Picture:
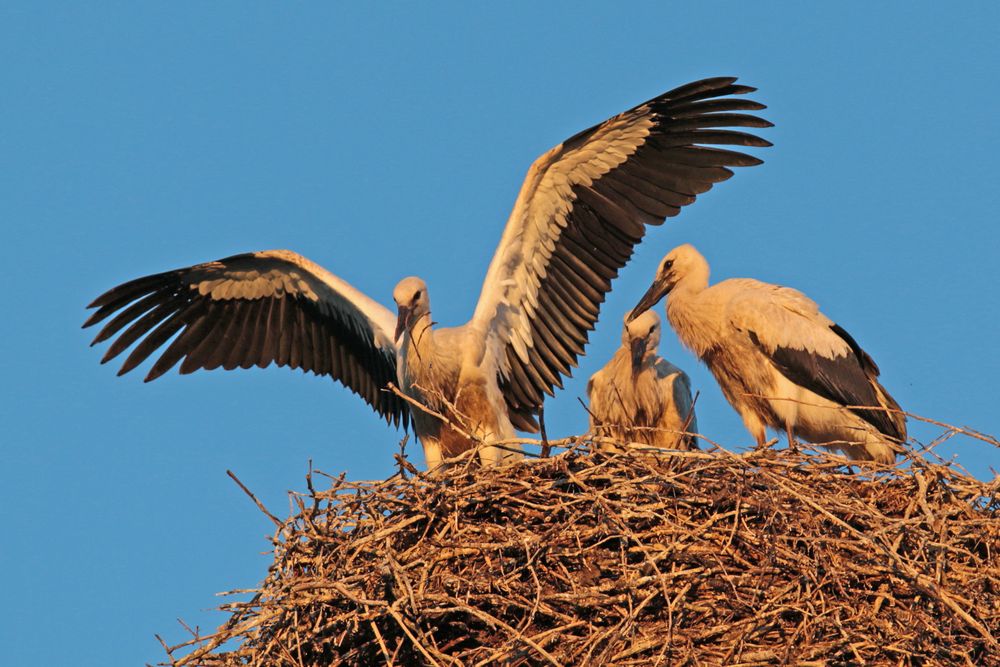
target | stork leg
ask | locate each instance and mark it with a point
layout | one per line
(432, 454)
(792, 445)
(491, 456)
(756, 427)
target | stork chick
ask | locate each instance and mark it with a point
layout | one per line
(641, 397)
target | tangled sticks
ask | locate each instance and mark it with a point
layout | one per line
(672, 558)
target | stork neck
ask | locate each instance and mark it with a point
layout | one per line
(420, 335)
(689, 319)
(693, 281)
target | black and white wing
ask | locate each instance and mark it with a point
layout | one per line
(813, 351)
(255, 309)
(583, 207)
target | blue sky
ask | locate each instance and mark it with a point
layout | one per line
(392, 141)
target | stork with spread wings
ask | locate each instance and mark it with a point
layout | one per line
(583, 207)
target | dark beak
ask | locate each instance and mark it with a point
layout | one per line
(656, 291)
(402, 321)
(638, 349)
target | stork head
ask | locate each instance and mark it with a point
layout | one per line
(642, 335)
(412, 303)
(683, 262)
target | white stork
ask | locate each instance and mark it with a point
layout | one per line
(582, 208)
(779, 361)
(641, 397)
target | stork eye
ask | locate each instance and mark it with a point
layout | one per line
(416, 296)
(667, 265)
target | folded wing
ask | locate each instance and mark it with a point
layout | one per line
(682, 397)
(814, 352)
(583, 207)
(250, 310)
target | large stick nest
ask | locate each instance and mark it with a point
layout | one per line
(668, 558)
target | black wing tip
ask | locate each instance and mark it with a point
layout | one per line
(141, 284)
(154, 373)
(726, 83)
(714, 81)
(102, 336)
(749, 121)
(96, 316)
(103, 299)
(719, 86)
(711, 87)
(753, 141)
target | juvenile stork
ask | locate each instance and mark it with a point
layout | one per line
(641, 397)
(779, 361)
(583, 207)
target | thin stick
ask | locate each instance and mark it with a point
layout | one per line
(259, 504)
(546, 447)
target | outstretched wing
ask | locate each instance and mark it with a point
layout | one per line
(252, 310)
(814, 352)
(583, 207)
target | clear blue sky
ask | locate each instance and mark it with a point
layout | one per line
(391, 142)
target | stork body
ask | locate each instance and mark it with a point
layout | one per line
(583, 207)
(779, 361)
(447, 370)
(641, 397)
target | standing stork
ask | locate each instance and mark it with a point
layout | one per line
(641, 397)
(779, 361)
(583, 207)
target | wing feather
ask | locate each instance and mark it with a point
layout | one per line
(180, 345)
(256, 342)
(126, 316)
(253, 310)
(583, 207)
(156, 338)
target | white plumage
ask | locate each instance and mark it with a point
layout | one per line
(641, 397)
(583, 207)
(779, 361)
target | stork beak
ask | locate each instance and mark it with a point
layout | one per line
(656, 291)
(638, 349)
(402, 321)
